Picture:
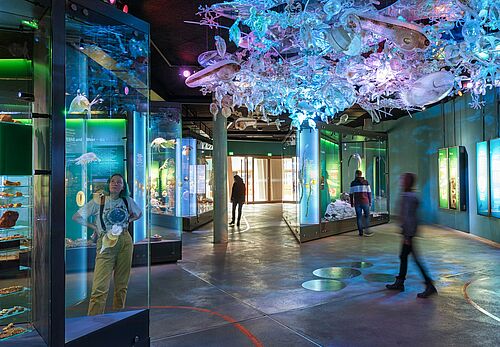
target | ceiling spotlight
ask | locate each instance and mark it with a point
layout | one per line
(186, 73)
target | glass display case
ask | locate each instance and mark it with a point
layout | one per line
(107, 164)
(165, 147)
(196, 183)
(16, 184)
(452, 185)
(318, 167)
(15, 252)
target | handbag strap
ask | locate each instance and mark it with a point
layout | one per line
(101, 210)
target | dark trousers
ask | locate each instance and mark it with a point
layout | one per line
(405, 252)
(240, 206)
(360, 209)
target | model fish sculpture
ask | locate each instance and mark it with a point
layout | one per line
(86, 158)
(80, 104)
(407, 36)
(429, 89)
(356, 157)
(243, 122)
(223, 70)
(160, 143)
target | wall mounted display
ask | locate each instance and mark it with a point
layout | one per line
(495, 177)
(452, 188)
(318, 167)
(482, 175)
(443, 178)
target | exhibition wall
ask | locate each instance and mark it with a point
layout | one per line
(413, 147)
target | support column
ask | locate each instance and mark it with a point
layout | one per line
(220, 178)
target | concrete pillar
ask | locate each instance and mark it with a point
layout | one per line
(220, 178)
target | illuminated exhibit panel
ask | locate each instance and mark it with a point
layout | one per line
(482, 173)
(308, 161)
(205, 177)
(325, 165)
(454, 177)
(107, 117)
(443, 178)
(452, 163)
(495, 177)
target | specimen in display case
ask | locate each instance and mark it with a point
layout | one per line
(452, 163)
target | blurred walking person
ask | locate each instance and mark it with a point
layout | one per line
(408, 214)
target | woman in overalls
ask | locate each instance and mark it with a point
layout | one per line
(112, 214)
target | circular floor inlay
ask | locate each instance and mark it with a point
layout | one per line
(385, 278)
(336, 272)
(324, 285)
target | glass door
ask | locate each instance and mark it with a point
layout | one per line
(261, 180)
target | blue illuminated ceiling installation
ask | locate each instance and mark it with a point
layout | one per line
(314, 59)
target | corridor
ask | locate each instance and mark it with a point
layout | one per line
(249, 292)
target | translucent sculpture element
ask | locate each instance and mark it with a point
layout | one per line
(314, 59)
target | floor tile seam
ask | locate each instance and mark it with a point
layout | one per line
(216, 326)
(227, 293)
(222, 325)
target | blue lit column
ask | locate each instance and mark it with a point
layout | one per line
(220, 179)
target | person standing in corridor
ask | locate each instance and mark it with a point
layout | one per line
(361, 199)
(237, 198)
(408, 215)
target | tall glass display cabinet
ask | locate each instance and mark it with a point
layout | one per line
(318, 167)
(74, 99)
(196, 196)
(165, 175)
(107, 145)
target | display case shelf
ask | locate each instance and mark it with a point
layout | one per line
(24, 290)
(17, 313)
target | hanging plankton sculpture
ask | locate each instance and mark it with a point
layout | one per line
(313, 59)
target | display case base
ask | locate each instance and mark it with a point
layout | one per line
(116, 329)
(191, 223)
(325, 229)
(80, 259)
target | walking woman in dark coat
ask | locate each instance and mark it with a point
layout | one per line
(408, 215)
(237, 197)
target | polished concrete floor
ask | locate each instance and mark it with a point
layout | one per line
(249, 292)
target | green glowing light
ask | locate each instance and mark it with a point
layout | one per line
(33, 24)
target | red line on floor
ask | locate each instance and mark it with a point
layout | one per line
(227, 318)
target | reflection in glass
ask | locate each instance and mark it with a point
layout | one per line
(107, 98)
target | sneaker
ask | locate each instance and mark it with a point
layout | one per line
(367, 234)
(238, 224)
(231, 223)
(429, 290)
(360, 234)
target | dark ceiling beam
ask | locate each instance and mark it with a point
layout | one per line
(191, 100)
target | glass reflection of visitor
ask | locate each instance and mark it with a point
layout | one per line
(112, 214)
